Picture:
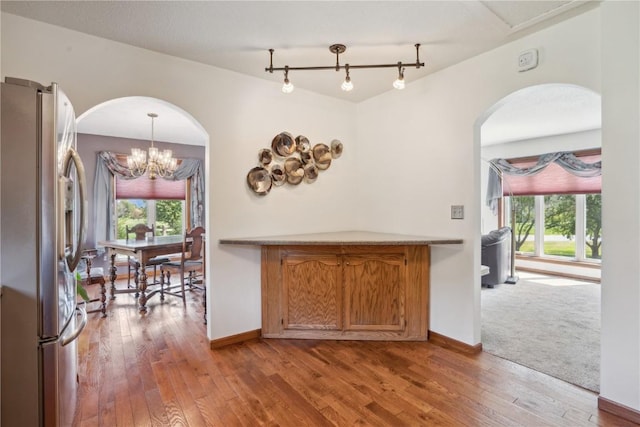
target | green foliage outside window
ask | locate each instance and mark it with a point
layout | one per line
(525, 219)
(131, 212)
(594, 225)
(560, 219)
(169, 216)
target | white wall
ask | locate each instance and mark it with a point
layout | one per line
(419, 153)
(241, 115)
(620, 366)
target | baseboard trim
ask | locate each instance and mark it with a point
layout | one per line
(557, 273)
(618, 409)
(455, 345)
(235, 339)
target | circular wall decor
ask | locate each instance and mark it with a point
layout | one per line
(290, 161)
(303, 144)
(265, 156)
(336, 149)
(310, 173)
(306, 158)
(283, 144)
(322, 156)
(294, 171)
(259, 180)
(278, 176)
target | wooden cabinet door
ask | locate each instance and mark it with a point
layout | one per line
(375, 289)
(312, 291)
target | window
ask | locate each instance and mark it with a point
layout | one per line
(559, 225)
(556, 201)
(166, 215)
(593, 226)
(159, 202)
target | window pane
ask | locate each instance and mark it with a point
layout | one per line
(593, 232)
(169, 216)
(560, 225)
(525, 213)
(130, 213)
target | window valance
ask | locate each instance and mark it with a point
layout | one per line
(551, 173)
(107, 166)
(145, 188)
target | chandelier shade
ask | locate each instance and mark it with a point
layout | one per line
(155, 163)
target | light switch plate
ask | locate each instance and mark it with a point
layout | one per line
(457, 211)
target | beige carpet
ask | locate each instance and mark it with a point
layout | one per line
(549, 324)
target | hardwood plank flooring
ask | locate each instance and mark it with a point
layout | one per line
(157, 369)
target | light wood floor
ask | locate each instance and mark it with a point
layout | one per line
(157, 370)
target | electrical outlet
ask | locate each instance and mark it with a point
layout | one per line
(457, 212)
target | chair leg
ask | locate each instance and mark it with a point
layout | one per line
(204, 300)
(136, 279)
(161, 282)
(128, 272)
(182, 285)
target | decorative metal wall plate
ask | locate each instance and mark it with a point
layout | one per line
(310, 173)
(265, 156)
(294, 171)
(283, 144)
(303, 144)
(259, 180)
(278, 176)
(322, 156)
(336, 149)
(291, 160)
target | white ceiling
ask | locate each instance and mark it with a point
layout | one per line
(127, 118)
(543, 110)
(236, 35)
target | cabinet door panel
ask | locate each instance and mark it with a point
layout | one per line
(312, 292)
(375, 292)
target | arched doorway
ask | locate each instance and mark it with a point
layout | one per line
(120, 124)
(527, 123)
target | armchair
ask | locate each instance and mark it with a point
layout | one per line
(496, 250)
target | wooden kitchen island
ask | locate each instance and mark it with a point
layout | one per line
(345, 285)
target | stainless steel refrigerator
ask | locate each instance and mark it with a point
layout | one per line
(42, 227)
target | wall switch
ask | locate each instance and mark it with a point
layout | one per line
(457, 212)
(528, 60)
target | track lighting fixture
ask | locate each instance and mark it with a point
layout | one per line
(347, 85)
(287, 87)
(399, 83)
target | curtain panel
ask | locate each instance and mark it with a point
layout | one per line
(108, 167)
(588, 168)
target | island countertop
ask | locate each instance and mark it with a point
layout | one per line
(341, 238)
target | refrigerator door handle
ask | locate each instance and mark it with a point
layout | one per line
(64, 340)
(74, 258)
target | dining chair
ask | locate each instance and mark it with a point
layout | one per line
(91, 276)
(141, 232)
(190, 266)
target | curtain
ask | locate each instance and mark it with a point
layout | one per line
(570, 162)
(107, 166)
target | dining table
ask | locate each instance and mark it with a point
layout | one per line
(142, 251)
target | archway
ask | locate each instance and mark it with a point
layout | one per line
(119, 124)
(529, 122)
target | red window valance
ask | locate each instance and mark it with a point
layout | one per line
(148, 189)
(553, 179)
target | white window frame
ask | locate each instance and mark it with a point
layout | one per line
(580, 231)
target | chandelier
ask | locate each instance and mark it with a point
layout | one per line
(161, 164)
(347, 84)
